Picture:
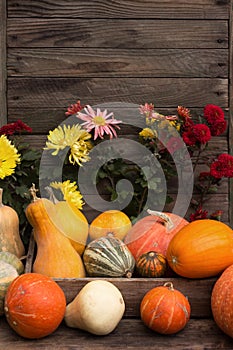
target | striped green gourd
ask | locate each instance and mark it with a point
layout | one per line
(108, 256)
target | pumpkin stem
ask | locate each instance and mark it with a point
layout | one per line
(169, 285)
(167, 220)
(32, 191)
(128, 274)
(1, 192)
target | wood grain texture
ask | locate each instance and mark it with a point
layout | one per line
(197, 335)
(190, 63)
(3, 63)
(168, 92)
(201, 9)
(117, 33)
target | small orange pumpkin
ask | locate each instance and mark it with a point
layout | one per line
(151, 264)
(111, 221)
(153, 233)
(165, 310)
(222, 300)
(34, 305)
(203, 248)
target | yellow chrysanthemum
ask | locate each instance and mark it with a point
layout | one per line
(148, 133)
(175, 125)
(74, 137)
(70, 193)
(9, 157)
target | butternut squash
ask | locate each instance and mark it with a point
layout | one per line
(97, 308)
(55, 256)
(70, 221)
(10, 240)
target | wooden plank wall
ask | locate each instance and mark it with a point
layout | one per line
(172, 52)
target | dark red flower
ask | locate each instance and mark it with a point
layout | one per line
(213, 113)
(75, 108)
(218, 127)
(201, 133)
(199, 214)
(222, 167)
(13, 128)
(189, 138)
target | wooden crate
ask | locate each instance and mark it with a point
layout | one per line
(201, 331)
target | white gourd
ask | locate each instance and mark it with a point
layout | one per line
(97, 308)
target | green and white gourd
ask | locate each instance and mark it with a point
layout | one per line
(10, 268)
(108, 256)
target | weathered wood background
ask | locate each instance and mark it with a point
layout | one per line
(171, 53)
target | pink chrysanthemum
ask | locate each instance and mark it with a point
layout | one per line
(147, 109)
(101, 122)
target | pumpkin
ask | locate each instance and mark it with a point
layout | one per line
(7, 274)
(203, 248)
(151, 264)
(34, 305)
(108, 256)
(110, 221)
(70, 221)
(221, 301)
(55, 255)
(165, 309)
(10, 240)
(153, 233)
(97, 308)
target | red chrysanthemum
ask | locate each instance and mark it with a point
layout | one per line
(199, 214)
(189, 138)
(74, 109)
(213, 113)
(218, 127)
(222, 167)
(200, 133)
(13, 128)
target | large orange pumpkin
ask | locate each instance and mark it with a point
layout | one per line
(34, 305)
(222, 300)
(153, 233)
(165, 309)
(203, 248)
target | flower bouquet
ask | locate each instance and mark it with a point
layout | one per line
(166, 143)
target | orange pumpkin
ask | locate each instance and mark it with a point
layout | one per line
(153, 233)
(165, 310)
(222, 300)
(34, 305)
(203, 248)
(111, 221)
(151, 264)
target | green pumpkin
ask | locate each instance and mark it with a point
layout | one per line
(108, 257)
